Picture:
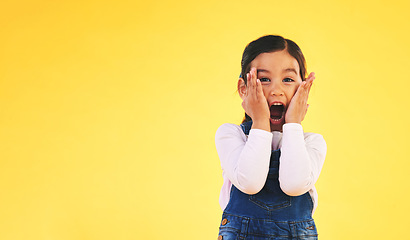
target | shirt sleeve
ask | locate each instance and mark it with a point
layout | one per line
(244, 160)
(302, 158)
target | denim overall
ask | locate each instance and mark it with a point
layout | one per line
(269, 214)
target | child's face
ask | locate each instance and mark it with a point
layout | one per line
(280, 77)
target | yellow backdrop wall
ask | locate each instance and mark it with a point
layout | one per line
(109, 110)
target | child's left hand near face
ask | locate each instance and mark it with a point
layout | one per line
(298, 105)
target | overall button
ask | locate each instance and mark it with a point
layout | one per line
(311, 228)
(224, 222)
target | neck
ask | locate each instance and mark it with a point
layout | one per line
(276, 127)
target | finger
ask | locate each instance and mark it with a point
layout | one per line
(308, 83)
(259, 90)
(250, 83)
(247, 84)
(301, 89)
(310, 80)
(302, 93)
(309, 87)
(311, 77)
(306, 91)
(250, 78)
(253, 77)
(253, 80)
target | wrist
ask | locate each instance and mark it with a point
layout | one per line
(293, 121)
(262, 124)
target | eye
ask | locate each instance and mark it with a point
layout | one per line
(288, 80)
(264, 80)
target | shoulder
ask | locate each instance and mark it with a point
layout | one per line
(229, 129)
(314, 137)
(229, 136)
(229, 126)
(315, 140)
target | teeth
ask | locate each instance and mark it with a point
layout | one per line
(276, 103)
(276, 120)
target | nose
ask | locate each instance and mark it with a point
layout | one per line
(276, 89)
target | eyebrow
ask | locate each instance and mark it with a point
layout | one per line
(261, 70)
(285, 70)
(290, 70)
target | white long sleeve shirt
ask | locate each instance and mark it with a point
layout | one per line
(245, 159)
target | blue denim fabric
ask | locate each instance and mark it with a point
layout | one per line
(269, 214)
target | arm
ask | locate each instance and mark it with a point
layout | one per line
(302, 158)
(245, 161)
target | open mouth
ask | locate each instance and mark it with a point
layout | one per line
(277, 111)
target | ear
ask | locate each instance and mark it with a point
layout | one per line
(241, 88)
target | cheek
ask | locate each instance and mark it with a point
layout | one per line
(292, 90)
(265, 92)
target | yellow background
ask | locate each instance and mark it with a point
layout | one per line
(109, 110)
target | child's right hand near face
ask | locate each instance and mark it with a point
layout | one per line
(254, 102)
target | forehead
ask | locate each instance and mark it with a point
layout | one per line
(278, 60)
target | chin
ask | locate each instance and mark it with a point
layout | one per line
(276, 125)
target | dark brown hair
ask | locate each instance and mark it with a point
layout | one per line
(266, 44)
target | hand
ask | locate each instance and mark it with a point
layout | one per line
(298, 106)
(254, 102)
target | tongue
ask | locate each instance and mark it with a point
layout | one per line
(276, 111)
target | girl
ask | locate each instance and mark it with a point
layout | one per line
(269, 164)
